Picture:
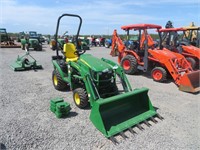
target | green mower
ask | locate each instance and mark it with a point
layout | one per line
(25, 62)
(94, 83)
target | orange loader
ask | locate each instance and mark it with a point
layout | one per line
(160, 61)
(172, 40)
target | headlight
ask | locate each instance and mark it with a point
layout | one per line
(105, 70)
(115, 67)
(104, 75)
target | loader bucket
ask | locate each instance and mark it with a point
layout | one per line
(115, 114)
(190, 82)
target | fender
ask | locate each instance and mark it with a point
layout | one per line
(131, 52)
(62, 74)
(86, 78)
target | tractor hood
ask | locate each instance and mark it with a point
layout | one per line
(163, 54)
(94, 63)
(33, 40)
(195, 51)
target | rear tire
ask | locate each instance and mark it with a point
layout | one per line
(159, 74)
(58, 83)
(40, 48)
(80, 97)
(129, 64)
(107, 45)
(192, 62)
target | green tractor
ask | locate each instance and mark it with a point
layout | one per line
(31, 41)
(20, 36)
(60, 44)
(83, 43)
(94, 82)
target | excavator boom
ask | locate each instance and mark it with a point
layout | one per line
(117, 45)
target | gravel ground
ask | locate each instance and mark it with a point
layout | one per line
(27, 123)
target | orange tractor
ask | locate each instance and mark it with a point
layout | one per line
(173, 41)
(160, 61)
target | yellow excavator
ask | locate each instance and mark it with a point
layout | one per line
(192, 34)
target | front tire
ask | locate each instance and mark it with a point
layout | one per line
(39, 48)
(129, 64)
(58, 83)
(80, 97)
(159, 74)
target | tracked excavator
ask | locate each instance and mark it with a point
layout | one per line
(160, 61)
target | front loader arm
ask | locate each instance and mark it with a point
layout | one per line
(57, 67)
(85, 77)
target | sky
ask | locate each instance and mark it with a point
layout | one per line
(99, 16)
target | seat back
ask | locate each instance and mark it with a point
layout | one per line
(149, 38)
(68, 51)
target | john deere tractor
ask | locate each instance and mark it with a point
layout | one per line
(93, 82)
(31, 41)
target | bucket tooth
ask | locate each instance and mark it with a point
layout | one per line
(160, 117)
(139, 126)
(153, 120)
(113, 140)
(123, 135)
(132, 131)
(146, 122)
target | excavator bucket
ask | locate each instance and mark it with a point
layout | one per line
(115, 114)
(190, 82)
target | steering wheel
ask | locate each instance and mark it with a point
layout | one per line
(79, 52)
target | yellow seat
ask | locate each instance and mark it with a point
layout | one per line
(68, 51)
